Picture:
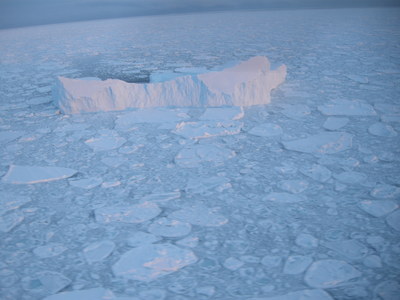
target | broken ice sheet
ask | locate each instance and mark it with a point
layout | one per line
(10, 220)
(393, 220)
(47, 281)
(222, 113)
(86, 183)
(266, 130)
(284, 198)
(33, 174)
(136, 213)
(105, 142)
(98, 251)
(148, 262)
(296, 264)
(350, 177)
(296, 111)
(141, 238)
(161, 197)
(329, 273)
(378, 208)
(352, 249)
(90, 294)
(194, 155)
(10, 201)
(347, 108)
(199, 215)
(169, 228)
(334, 123)
(317, 172)
(49, 250)
(152, 115)
(300, 295)
(322, 143)
(207, 129)
(382, 130)
(8, 136)
(293, 186)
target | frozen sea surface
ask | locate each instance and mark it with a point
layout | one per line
(298, 199)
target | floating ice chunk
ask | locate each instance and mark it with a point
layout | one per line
(296, 111)
(194, 155)
(394, 220)
(350, 177)
(32, 174)
(317, 172)
(296, 264)
(378, 208)
(161, 198)
(142, 238)
(198, 130)
(113, 162)
(154, 115)
(387, 290)
(222, 113)
(358, 78)
(53, 282)
(350, 248)
(199, 215)
(190, 241)
(334, 123)
(284, 198)
(170, 228)
(10, 220)
(266, 130)
(329, 273)
(380, 129)
(385, 191)
(323, 143)
(372, 261)
(306, 240)
(86, 183)
(300, 295)
(8, 136)
(105, 142)
(271, 261)
(293, 186)
(347, 108)
(136, 213)
(248, 83)
(10, 201)
(202, 185)
(98, 251)
(90, 294)
(49, 250)
(148, 262)
(232, 263)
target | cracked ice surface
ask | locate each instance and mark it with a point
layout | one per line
(297, 199)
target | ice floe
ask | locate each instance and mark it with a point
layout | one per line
(323, 143)
(148, 262)
(334, 123)
(47, 282)
(193, 156)
(222, 113)
(169, 228)
(317, 172)
(11, 201)
(300, 295)
(11, 220)
(198, 130)
(306, 240)
(36, 174)
(8, 136)
(329, 273)
(394, 220)
(378, 208)
(296, 264)
(105, 142)
(136, 213)
(383, 130)
(90, 294)
(347, 108)
(141, 238)
(49, 250)
(247, 83)
(267, 130)
(98, 251)
(86, 183)
(352, 249)
(199, 215)
(284, 198)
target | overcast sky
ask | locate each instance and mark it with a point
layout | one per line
(17, 13)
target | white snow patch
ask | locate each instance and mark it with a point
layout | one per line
(34, 174)
(148, 262)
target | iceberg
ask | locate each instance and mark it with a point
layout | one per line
(247, 83)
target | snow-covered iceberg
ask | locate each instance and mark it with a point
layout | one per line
(247, 83)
